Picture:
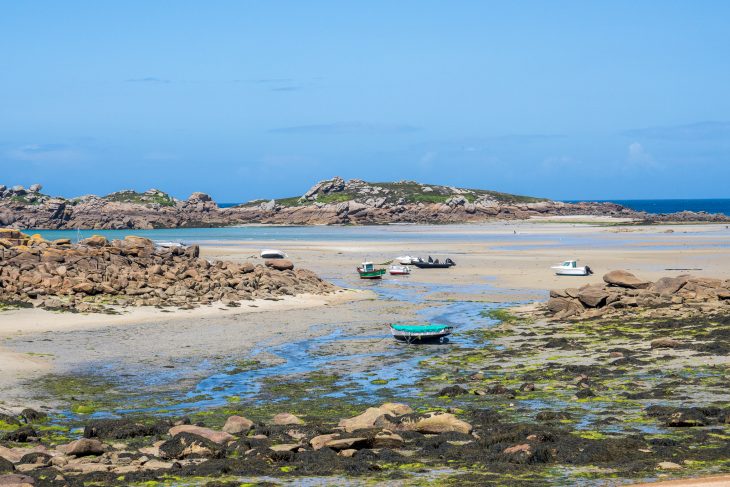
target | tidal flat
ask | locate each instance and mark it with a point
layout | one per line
(579, 402)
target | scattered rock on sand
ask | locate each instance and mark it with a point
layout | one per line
(219, 437)
(6, 465)
(283, 419)
(280, 264)
(665, 343)
(286, 447)
(623, 292)
(387, 439)
(320, 441)
(625, 279)
(370, 417)
(237, 424)
(82, 447)
(347, 443)
(16, 480)
(189, 445)
(593, 297)
(434, 423)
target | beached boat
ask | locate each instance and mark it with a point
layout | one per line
(368, 271)
(434, 264)
(406, 259)
(571, 268)
(272, 254)
(399, 270)
(421, 333)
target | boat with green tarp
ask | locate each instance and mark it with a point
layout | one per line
(421, 333)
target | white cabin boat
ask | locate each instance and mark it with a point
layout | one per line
(272, 254)
(571, 268)
(399, 270)
(406, 259)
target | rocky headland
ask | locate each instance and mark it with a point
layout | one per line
(621, 292)
(331, 202)
(96, 274)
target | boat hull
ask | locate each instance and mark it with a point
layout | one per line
(428, 265)
(572, 272)
(376, 274)
(272, 254)
(430, 334)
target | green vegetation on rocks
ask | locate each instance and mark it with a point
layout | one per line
(152, 196)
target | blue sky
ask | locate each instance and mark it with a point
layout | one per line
(248, 99)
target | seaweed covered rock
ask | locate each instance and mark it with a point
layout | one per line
(119, 429)
(188, 445)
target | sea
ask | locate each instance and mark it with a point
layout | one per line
(721, 205)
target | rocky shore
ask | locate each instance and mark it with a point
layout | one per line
(622, 292)
(388, 442)
(96, 274)
(331, 202)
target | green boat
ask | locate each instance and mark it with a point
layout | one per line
(421, 333)
(368, 271)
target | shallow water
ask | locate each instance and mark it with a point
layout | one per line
(357, 359)
(397, 363)
(503, 234)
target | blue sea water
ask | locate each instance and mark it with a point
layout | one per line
(719, 205)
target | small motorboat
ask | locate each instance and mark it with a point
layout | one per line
(399, 270)
(368, 271)
(434, 263)
(406, 259)
(421, 333)
(570, 268)
(272, 254)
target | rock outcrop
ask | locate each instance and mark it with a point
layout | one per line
(134, 271)
(330, 202)
(623, 292)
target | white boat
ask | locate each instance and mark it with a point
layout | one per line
(570, 268)
(169, 245)
(272, 254)
(406, 259)
(399, 270)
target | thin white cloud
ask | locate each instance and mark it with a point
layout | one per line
(639, 157)
(44, 153)
(559, 162)
(427, 158)
(346, 128)
(148, 79)
(693, 131)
